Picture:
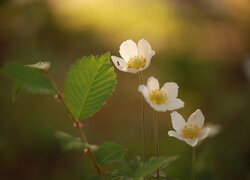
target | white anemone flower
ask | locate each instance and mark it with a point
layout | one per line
(161, 99)
(134, 58)
(191, 131)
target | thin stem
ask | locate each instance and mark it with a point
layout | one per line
(143, 123)
(156, 140)
(193, 164)
(143, 136)
(76, 123)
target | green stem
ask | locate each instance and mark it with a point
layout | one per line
(156, 141)
(143, 124)
(193, 164)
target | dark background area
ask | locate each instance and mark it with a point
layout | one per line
(201, 45)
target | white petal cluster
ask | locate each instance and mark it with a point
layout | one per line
(191, 131)
(40, 65)
(135, 58)
(167, 99)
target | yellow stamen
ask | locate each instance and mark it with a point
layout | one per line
(158, 96)
(190, 131)
(137, 62)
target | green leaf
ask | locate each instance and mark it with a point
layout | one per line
(88, 84)
(94, 177)
(152, 165)
(127, 170)
(28, 78)
(109, 152)
(15, 91)
(69, 142)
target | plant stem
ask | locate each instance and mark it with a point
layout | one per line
(156, 141)
(193, 164)
(143, 136)
(143, 123)
(76, 122)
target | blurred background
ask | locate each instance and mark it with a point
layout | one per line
(204, 46)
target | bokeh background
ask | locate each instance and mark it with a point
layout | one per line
(202, 45)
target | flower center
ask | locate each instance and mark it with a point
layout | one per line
(158, 96)
(136, 62)
(190, 131)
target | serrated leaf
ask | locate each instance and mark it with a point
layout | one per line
(28, 78)
(88, 84)
(15, 91)
(152, 165)
(109, 152)
(69, 142)
(127, 170)
(94, 177)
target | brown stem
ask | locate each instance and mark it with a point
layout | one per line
(76, 123)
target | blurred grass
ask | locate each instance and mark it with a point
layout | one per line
(199, 45)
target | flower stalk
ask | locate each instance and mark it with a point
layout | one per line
(143, 123)
(77, 124)
(156, 141)
(193, 164)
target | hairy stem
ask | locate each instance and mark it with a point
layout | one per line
(193, 164)
(156, 141)
(77, 124)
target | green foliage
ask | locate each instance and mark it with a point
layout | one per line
(27, 78)
(152, 165)
(109, 152)
(127, 170)
(69, 142)
(94, 177)
(88, 84)
(134, 169)
(15, 91)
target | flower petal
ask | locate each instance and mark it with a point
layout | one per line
(119, 63)
(176, 135)
(128, 49)
(157, 107)
(174, 103)
(152, 84)
(215, 129)
(171, 89)
(203, 133)
(146, 93)
(144, 90)
(196, 118)
(178, 121)
(131, 70)
(144, 48)
(148, 59)
(192, 141)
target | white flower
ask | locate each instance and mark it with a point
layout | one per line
(134, 58)
(161, 99)
(191, 131)
(40, 65)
